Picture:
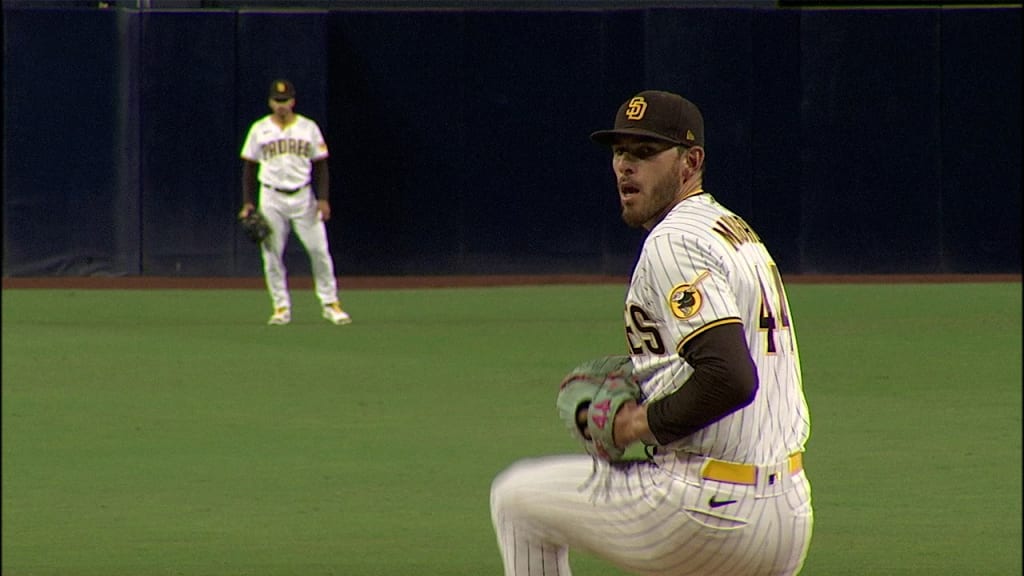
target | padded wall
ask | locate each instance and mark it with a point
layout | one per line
(854, 141)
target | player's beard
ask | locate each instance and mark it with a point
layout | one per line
(645, 210)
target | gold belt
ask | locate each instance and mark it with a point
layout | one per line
(736, 473)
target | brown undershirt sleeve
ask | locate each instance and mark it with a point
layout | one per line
(321, 180)
(249, 182)
(724, 380)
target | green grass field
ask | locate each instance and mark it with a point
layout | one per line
(152, 433)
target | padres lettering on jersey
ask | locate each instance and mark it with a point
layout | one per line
(286, 146)
(700, 267)
(285, 154)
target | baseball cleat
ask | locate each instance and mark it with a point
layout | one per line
(281, 317)
(335, 315)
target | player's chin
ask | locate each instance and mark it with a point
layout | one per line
(631, 216)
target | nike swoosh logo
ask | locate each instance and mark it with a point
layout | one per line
(719, 503)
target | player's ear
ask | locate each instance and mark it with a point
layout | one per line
(693, 159)
(696, 156)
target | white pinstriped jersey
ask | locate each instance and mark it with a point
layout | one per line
(286, 154)
(700, 267)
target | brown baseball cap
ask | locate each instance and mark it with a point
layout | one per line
(659, 115)
(281, 89)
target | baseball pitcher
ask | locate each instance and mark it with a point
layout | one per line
(711, 385)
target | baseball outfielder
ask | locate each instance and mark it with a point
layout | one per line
(720, 407)
(291, 153)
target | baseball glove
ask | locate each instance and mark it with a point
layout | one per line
(597, 389)
(255, 226)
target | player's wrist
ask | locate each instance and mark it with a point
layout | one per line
(631, 425)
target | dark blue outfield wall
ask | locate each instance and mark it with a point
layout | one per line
(854, 141)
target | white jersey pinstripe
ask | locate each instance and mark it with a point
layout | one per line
(700, 266)
(706, 255)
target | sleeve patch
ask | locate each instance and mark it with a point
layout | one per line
(686, 299)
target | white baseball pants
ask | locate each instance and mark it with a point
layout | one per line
(651, 518)
(298, 212)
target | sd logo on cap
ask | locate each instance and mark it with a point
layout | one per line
(659, 115)
(282, 90)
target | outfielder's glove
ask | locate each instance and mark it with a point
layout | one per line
(597, 389)
(255, 226)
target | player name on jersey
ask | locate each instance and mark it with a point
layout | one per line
(735, 231)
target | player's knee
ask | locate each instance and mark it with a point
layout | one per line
(508, 490)
(318, 254)
(501, 488)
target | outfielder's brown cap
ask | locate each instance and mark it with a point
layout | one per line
(659, 115)
(282, 89)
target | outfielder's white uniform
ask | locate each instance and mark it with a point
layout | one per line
(732, 498)
(286, 199)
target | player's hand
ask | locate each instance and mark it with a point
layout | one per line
(581, 420)
(325, 209)
(631, 425)
(247, 209)
(590, 398)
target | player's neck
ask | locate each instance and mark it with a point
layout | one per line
(690, 187)
(283, 122)
(692, 192)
